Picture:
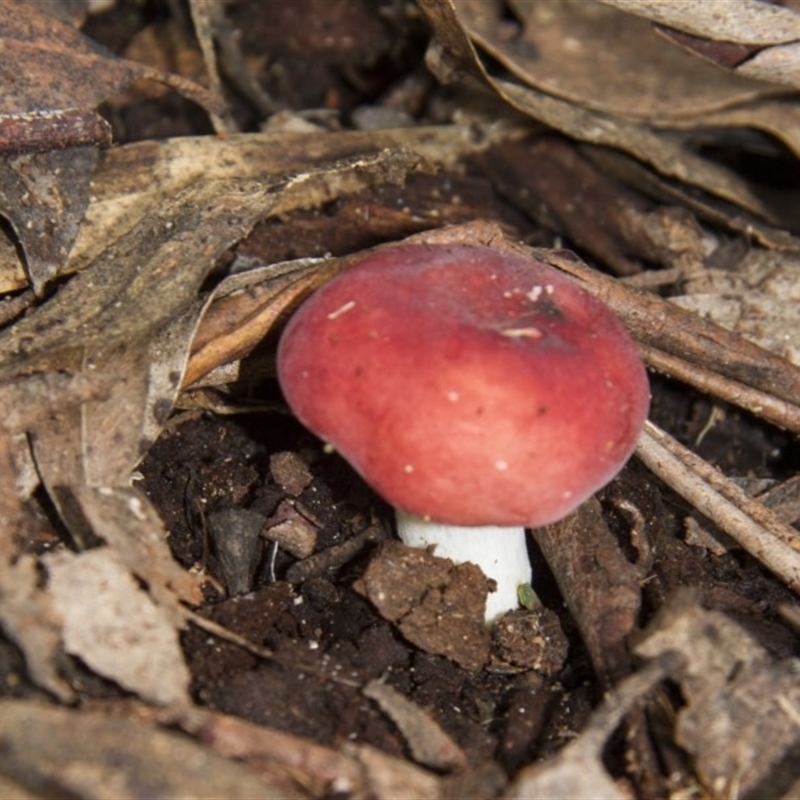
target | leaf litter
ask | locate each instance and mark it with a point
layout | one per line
(154, 277)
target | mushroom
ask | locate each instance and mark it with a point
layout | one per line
(477, 390)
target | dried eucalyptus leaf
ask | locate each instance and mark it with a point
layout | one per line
(453, 56)
(242, 310)
(760, 300)
(740, 721)
(44, 196)
(114, 626)
(42, 48)
(577, 771)
(777, 64)
(133, 181)
(606, 60)
(746, 21)
(430, 745)
(98, 754)
(28, 616)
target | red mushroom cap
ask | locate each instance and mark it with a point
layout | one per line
(466, 384)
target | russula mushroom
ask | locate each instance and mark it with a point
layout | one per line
(471, 387)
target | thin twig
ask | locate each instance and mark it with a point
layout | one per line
(751, 524)
(764, 405)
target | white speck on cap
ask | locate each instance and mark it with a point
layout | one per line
(527, 333)
(535, 293)
(348, 306)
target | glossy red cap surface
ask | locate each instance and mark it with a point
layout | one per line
(467, 384)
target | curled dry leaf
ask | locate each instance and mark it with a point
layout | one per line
(48, 122)
(577, 771)
(599, 58)
(45, 47)
(429, 744)
(740, 721)
(763, 35)
(453, 56)
(746, 22)
(108, 753)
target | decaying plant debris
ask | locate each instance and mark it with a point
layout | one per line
(195, 598)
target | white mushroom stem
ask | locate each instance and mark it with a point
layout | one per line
(501, 553)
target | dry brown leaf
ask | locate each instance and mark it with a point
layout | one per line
(113, 319)
(741, 721)
(114, 627)
(242, 309)
(453, 56)
(746, 21)
(608, 61)
(577, 771)
(134, 180)
(760, 300)
(97, 755)
(776, 64)
(44, 197)
(29, 618)
(48, 123)
(429, 744)
(766, 34)
(125, 519)
(57, 68)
